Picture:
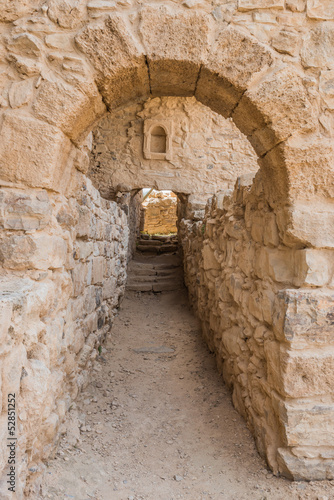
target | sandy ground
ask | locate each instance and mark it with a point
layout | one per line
(157, 422)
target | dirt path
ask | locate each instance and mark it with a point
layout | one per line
(158, 423)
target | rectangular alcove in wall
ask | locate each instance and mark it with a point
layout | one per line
(158, 139)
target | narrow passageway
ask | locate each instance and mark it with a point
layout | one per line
(156, 421)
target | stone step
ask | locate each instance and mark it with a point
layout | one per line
(153, 243)
(155, 279)
(153, 287)
(135, 266)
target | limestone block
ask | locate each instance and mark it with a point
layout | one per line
(312, 224)
(12, 370)
(98, 270)
(79, 277)
(309, 423)
(327, 88)
(245, 5)
(320, 9)
(22, 210)
(286, 42)
(40, 252)
(53, 339)
(6, 309)
(301, 374)
(296, 5)
(234, 60)
(32, 152)
(303, 469)
(83, 226)
(25, 44)
(281, 265)
(209, 259)
(67, 13)
(280, 100)
(314, 267)
(10, 10)
(305, 317)
(123, 74)
(302, 160)
(175, 44)
(21, 93)
(317, 51)
(72, 109)
(59, 41)
(270, 232)
(83, 249)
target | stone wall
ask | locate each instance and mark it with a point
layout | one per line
(63, 273)
(267, 312)
(160, 213)
(268, 65)
(208, 151)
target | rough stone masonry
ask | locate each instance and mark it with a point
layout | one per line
(259, 267)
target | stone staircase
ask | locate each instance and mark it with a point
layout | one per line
(160, 273)
(157, 244)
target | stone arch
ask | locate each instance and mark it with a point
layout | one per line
(231, 72)
(182, 54)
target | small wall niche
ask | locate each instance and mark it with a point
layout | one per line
(157, 140)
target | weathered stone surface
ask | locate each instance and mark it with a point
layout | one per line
(317, 51)
(32, 152)
(123, 73)
(296, 5)
(176, 45)
(20, 210)
(314, 267)
(10, 10)
(233, 63)
(210, 155)
(67, 13)
(245, 5)
(83, 107)
(312, 223)
(40, 252)
(327, 88)
(12, 371)
(304, 469)
(320, 9)
(287, 42)
(274, 110)
(25, 44)
(307, 423)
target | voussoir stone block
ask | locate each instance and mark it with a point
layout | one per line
(32, 152)
(176, 45)
(120, 64)
(10, 10)
(234, 60)
(71, 109)
(275, 109)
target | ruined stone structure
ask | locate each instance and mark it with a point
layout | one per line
(259, 267)
(160, 213)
